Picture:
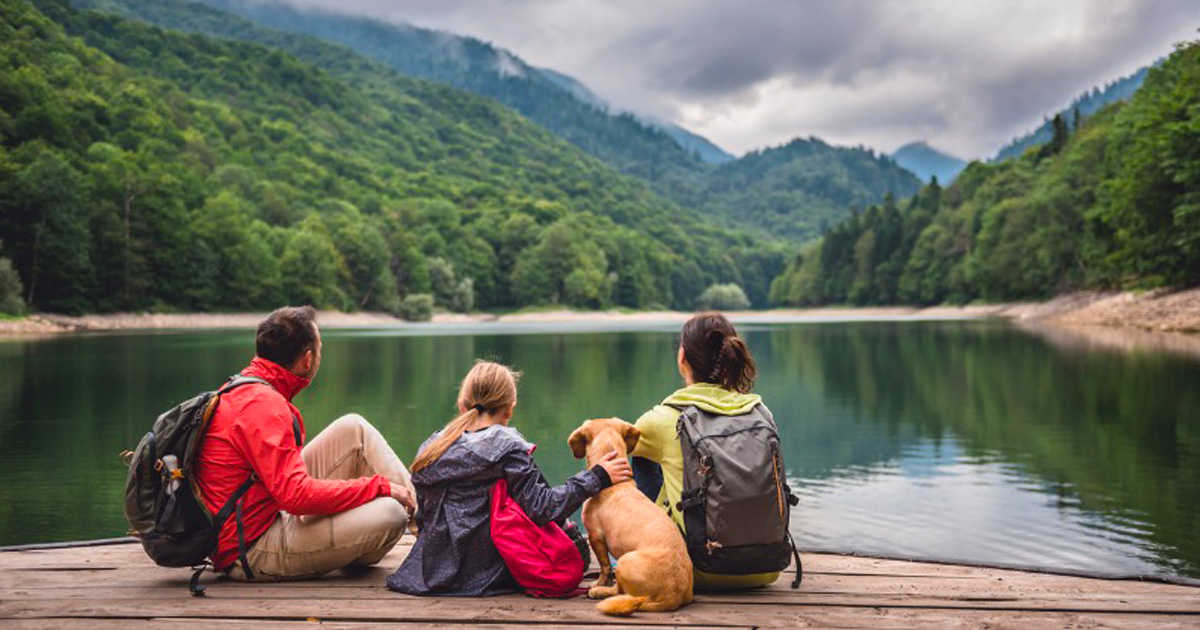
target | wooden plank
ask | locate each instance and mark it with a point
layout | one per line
(504, 609)
(1043, 592)
(77, 544)
(1007, 586)
(497, 611)
(831, 620)
(815, 564)
(132, 599)
(1011, 586)
(40, 624)
(43, 587)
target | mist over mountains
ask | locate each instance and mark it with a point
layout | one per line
(927, 162)
(824, 185)
(551, 99)
(420, 163)
(1085, 104)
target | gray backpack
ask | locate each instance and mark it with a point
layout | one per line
(736, 502)
(161, 503)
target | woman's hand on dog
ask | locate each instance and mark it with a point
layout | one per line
(616, 466)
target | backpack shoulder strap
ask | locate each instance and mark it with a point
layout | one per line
(237, 380)
(234, 504)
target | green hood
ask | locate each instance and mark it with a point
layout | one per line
(713, 399)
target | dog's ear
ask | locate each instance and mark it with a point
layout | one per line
(578, 441)
(631, 434)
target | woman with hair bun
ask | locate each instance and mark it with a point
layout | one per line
(718, 373)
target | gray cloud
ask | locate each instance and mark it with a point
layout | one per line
(965, 75)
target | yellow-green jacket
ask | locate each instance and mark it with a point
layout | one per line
(659, 443)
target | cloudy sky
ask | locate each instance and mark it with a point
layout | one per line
(965, 75)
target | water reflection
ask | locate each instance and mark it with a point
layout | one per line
(935, 502)
(971, 441)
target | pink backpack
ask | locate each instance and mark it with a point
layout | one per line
(543, 559)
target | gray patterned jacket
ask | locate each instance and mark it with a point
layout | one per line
(454, 554)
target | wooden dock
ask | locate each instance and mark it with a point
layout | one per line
(117, 586)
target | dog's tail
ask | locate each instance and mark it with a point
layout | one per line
(620, 605)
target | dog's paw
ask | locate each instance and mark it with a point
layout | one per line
(601, 592)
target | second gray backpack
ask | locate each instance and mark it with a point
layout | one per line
(736, 502)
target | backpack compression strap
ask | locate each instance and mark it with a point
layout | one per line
(799, 565)
(793, 501)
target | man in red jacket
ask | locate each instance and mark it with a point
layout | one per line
(341, 500)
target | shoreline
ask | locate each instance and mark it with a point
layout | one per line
(1177, 313)
(49, 324)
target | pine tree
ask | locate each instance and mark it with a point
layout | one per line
(1058, 140)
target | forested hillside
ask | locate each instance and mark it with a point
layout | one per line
(1084, 105)
(143, 168)
(1114, 203)
(803, 185)
(801, 188)
(619, 139)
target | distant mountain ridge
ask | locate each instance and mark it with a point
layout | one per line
(550, 99)
(695, 143)
(1086, 104)
(927, 162)
(822, 186)
(797, 194)
(220, 164)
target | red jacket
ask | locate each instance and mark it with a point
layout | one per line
(252, 432)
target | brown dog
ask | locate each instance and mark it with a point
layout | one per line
(654, 572)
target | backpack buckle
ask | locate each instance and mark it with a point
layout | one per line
(712, 546)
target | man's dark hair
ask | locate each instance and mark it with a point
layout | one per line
(286, 334)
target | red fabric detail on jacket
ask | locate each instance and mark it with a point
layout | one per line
(251, 431)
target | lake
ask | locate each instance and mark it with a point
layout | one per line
(969, 441)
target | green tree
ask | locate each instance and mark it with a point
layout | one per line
(1060, 133)
(312, 268)
(46, 221)
(417, 307)
(1154, 198)
(723, 297)
(248, 268)
(11, 301)
(564, 268)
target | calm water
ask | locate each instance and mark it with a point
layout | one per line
(969, 441)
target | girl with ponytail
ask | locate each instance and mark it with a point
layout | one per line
(454, 472)
(718, 373)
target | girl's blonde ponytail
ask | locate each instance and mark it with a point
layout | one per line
(488, 388)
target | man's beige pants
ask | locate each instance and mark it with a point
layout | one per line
(299, 547)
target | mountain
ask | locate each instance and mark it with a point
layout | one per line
(1112, 203)
(700, 146)
(927, 162)
(143, 168)
(799, 189)
(813, 197)
(1085, 104)
(708, 152)
(550, 99)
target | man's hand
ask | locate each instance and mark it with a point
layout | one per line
(616, 466)
(401, 494)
